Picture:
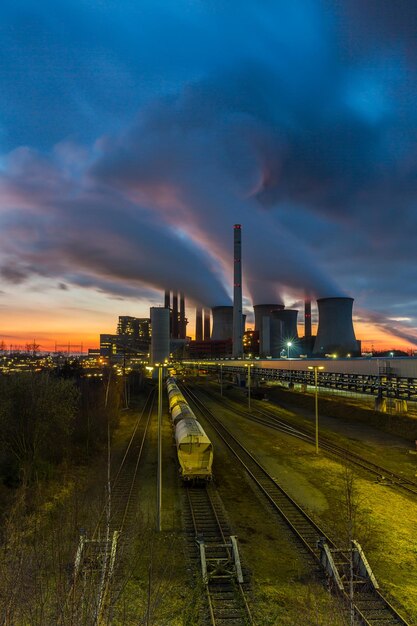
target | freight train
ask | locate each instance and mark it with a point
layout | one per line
(194, 448)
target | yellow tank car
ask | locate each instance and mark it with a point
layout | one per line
(194, 449)
(174, 398)
(180, 412)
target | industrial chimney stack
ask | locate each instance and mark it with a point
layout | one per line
(198, 324)
(307, 319)
(237, 293)
(174, 330)
(206, 324)
(183, 323)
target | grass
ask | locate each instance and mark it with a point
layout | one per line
(386, 519)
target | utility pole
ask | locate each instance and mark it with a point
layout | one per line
(249, 366)
(316, 368)
(159, 478)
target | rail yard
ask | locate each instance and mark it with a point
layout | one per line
(269, 533)
(222, 565)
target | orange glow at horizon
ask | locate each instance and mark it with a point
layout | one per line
(20, 335)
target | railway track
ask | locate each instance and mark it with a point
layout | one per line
(98, 579)
(124, 491)
(210, 535)
(269, 419)
(369, 605)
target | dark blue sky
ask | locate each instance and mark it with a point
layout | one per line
(136, 133)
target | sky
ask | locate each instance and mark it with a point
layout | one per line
(135, 133)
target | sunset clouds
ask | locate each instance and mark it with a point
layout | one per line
(133, 137)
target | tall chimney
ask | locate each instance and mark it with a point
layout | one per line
(199, 324)
(206, 324)
(237, 293)
(183, 326)
(174, 315)
(167, 299)
(307, 319)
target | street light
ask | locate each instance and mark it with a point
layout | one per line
(221, 379)
(249, 366)
(289, 344)
(316, 368)
(160, 367)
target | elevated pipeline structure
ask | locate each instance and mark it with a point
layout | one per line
(394, 378)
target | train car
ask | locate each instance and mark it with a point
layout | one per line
(174, 398)
(194, 450)
(174, 395)
(181, 411)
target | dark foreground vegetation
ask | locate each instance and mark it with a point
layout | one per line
(47, 419)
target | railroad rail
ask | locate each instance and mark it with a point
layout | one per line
(95, 587)
(269, 419)
(217, 552)
(369, 605)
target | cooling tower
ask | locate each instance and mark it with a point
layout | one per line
(222, 322)
(335, 334)
(276, 327)
(288, 317)
(263, 325)
(160, 335)
(264, 310)
(237, 292)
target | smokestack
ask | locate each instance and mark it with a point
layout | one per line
(307, 319)
(237, 293)
(198, 324)
(206, 324)
(183, 326)
(174, 315)
(335, 334)
(167, 300)
(222, 322)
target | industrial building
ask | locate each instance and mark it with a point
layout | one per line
(136, 328)
(133, 336)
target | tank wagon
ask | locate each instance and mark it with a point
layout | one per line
(194, 448)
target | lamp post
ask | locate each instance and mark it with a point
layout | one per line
(289, 344)
(160, 367)
(316, 368)
(249, 366)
